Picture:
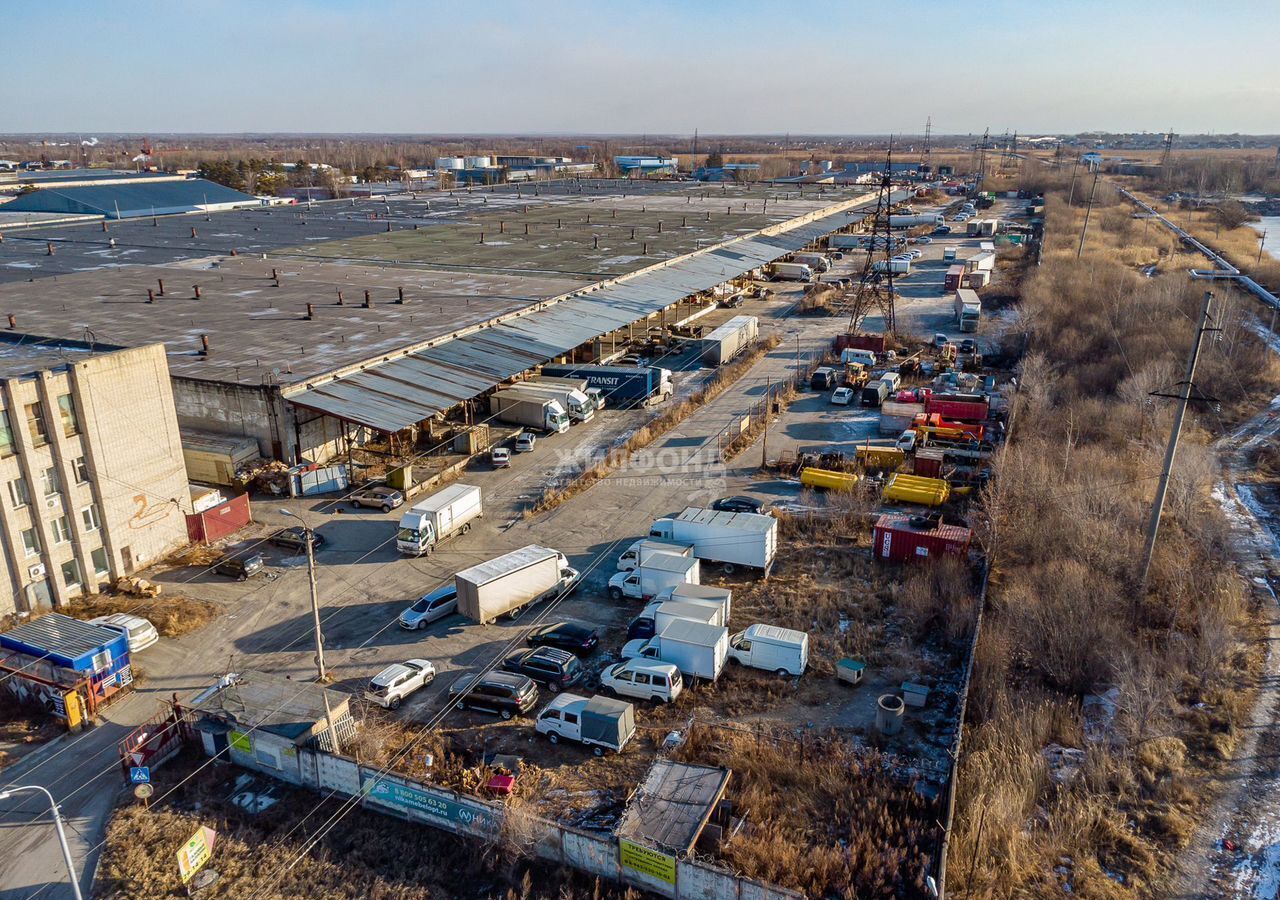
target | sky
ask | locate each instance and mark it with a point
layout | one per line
(647, 66)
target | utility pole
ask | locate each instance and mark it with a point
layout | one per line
(1075, 170)
(1087, 210)
(1185, 389)
(764, 437)
(1262, 243)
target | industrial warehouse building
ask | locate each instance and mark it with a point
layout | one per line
(132, 198)
(91, 464)
(428, 303)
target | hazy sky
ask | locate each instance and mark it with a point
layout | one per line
(746, 66)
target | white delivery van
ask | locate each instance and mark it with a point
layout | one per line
(854, 355)
(781, 650)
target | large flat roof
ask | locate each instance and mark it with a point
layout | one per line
(256, 329)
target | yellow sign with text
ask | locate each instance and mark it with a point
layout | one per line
(196, 852)
(647, 861)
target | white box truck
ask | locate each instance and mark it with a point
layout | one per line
(815, 261)
(507, 584)
(896, 266)
(730, 339)
(698, 650)
(701, 593)
(638, 552)
(445, 513)
(529, 409)
(781, 650)
(968, 309)
(667, 611)
(658, 571)
(790, 272)
(595, 395)
(580, 407)
(601, 723)
(731, 539)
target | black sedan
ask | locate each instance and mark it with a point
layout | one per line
(295, 538)
(577, 639)
(738, 505)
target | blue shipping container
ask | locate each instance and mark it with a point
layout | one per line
(621, 385)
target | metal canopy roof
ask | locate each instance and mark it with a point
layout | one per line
(392, 395)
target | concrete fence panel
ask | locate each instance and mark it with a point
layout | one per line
(433, 806)
(337, 773)
(590, 853)
(700, 882)
(756, 890)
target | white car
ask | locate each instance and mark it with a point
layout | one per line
(915, 254)
(390, 686)
(907, 441)
(842, 396)
(141, 633)
(924, 240)
(500, 457)
(525, 442)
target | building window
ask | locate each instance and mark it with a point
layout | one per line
(71, 574)
(81, 468)
(67, 410)
(18, 492)
(50, 481)
(90, 516)
(6, 434)
(35, 423)
(99, 557)
(31, 541)
(61, 528)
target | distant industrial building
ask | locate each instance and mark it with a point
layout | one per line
(130, 199)
(94, 484)
(647, 165)
(12, 181)
(727, 172)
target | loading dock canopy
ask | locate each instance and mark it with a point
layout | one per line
(392, 395)
(673, 805)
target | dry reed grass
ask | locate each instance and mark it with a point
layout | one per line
(1064, 520)
(173, 616)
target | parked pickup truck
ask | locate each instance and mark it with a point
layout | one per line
(601, 723)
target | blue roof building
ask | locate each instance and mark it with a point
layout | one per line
(647, 165)
(132, 200)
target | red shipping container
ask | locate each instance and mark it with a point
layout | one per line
(896, 540)
(954, 279)
(219, 521)
(959, 410)
(872, 342)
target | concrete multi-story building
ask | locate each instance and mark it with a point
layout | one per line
(92, 480)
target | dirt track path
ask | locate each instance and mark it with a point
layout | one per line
(1247, 813)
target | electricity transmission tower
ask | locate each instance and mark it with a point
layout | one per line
(875, 285)
(928, 131)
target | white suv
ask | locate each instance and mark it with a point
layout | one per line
(390, 686)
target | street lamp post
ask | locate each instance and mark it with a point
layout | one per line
(315, 600)
(57, 824)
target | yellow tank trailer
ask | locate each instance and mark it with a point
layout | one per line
(881, 457)
(914, 489)
(828, 480)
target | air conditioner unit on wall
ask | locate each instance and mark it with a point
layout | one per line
(52, 502)
(36, 571)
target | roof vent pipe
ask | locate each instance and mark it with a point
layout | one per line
(13, 321)
(339, 298)
(151, 296)
(196, 287)
(368, 303)
(400, 295)
(311, 312)
(204, 345)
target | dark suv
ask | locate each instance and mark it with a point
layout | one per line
(238, 567)
(550, 666)
(501, 693)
